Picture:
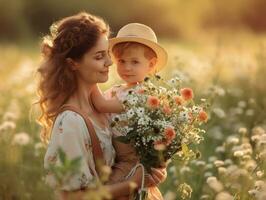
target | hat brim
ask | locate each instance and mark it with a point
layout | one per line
(160, 52)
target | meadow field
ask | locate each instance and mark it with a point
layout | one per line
(226, 68)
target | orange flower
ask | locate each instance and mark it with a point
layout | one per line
(159, 145)
(187, 94)
(153, 102)
(141, 91)
(167, 110)
(203, 116)
(169, 134)
(178, 100)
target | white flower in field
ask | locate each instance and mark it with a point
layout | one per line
(184, 170)
(232, 140)
(10, 116)
(209, 166)
(258, 130)
(224, 196)
(260, 185)
(205, 196)
(200, 163)
(39, 145)
(208, 174)
(220, 149)
(212, 159)
(140, 111)
(228, 162)
(242, 104)
(130, 113)
(219, 163)
(242, 131)
(238, 153)
(222, 170)
(219, 112)
(260, 174)
(7, 125)
(262, 144)
(183, 116)
(250, 165)
(262, 155)
(255, 138)
(214, 184)
(21, 139)
(169, 196)
(250, 112)
(253, 192)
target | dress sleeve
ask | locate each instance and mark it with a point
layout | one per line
(71, 135)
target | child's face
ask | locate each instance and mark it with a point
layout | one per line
(133, 66)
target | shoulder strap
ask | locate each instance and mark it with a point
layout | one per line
(96, 147)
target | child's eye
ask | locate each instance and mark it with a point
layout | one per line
(121, 61)
(135, 62)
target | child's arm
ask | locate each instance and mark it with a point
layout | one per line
(103, 105)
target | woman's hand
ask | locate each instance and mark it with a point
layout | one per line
(157, 176)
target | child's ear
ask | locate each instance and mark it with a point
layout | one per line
(153, 62)
(72, 64)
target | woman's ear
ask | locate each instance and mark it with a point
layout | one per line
(72, 64)
(153, 62)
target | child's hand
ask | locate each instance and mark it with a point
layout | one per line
(157, 176)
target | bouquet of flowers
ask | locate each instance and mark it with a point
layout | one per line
(161, 120)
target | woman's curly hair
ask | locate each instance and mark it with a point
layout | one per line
(70, 37)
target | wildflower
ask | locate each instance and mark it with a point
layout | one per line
(238, 153)
(222, 170)
(140, 91)
(242, 131)
(219, 163)
(166, 109)
(184, 116)
(130, 113)
(203, 116)
(224, 196)
(185, 191)
(153, 102)
(260, 174)
(169, 133)
(140, 111)
(21, 139)
(159, 145)
(232, 140)
(214, 184)
(178, 100)
(187, 93)
(6, 125)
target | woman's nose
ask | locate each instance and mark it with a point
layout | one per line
(108, 62)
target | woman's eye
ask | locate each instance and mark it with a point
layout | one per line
(99, 57)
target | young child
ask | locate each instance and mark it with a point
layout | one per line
(137, 54)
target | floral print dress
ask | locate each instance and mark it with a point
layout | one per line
(70, 133)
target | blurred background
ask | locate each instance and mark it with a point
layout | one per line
(217, 47)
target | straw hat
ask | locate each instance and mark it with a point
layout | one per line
(140, 33)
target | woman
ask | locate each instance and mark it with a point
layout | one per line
(76, 59)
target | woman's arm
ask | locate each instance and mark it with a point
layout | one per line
(116, 190)
(103, 105)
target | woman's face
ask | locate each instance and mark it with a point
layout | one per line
(94, 66)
